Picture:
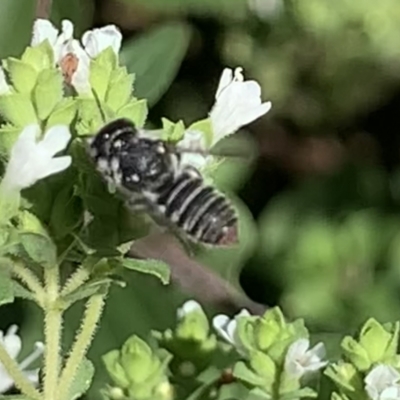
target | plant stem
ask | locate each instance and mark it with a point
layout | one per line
(82, 342)
(20, 381)
(31, 281)
(52, 331)
(77, 279)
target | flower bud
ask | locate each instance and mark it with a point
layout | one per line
(355, 353)
(138, 360)
(192, 322)
(346, 377)
(379, 343)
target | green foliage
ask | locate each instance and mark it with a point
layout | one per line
(10, 12)
(152, 267)
(155, 58)
(226, 8)
(83, 380)
(6, 283)
(138, 370)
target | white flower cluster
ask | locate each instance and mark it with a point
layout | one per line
(300, 359)
(65, 48)
(12, 344)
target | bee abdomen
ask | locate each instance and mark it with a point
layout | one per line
(200, 211)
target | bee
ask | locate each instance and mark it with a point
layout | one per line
(149, 174)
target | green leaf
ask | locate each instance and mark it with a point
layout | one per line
(83, 380)
(48, 92)
(63, 113)
(172, 131)
(23, 76)
(242, 372)
(6, 283)
(235, 390)
(99, 286)
(152, 267)
(205, 127)
(300, 394)
(40, 249)
(219, 8)
(119, 89)
(66, 213)
(21, 292)
(155, 59)
(8, 136)
(16, 17)
(100, 72)
(17, 109)
(39, 57)
(136, 111)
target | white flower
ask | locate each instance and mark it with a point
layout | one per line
(187, 308)
(300, 359)
(237, 104)
(226, 327)
(70, 55)
(12, 344)
(4, 87)
(32, 160)
(383, 383)
(97, 40)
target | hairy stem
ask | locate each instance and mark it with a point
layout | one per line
(81, 345)
(27, 277)
(77, 279)
(20, 381)
(52, 331)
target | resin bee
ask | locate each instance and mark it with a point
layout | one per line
(150, 175)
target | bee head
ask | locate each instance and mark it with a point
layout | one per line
(102, 144)
(146, 164)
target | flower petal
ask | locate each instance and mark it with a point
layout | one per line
(55, 166)
(55, 139)
(31, 160)
(379, 379)
(43, 29)
(32, 375)
(62, 42)
(188, 307)
(18, 170)
(6, 383)
(36, 353)
(97, 40)
(237, 104)
(12, 342)
(220, 323)
(80, 79)
(225, 80)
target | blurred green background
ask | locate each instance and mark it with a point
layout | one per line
(320, 204)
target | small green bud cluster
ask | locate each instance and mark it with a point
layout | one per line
(370, 364)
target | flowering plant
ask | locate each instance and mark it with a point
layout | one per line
(64, 236)
(64, 239)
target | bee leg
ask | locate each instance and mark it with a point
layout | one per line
(137, 204)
